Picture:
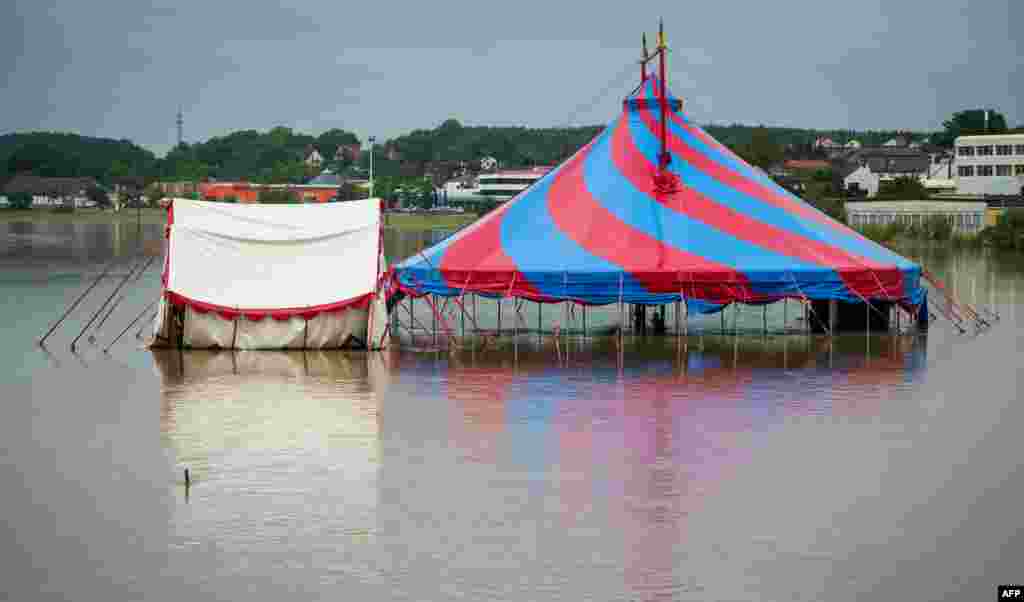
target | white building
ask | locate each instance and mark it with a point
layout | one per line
(967, 217)
(990, 164)
(505, 184)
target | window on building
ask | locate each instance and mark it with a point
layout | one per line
(1020, 149)
(965, 151)
(1018, 170)
(1004, 149)
(985, 150)
(984, 170)
(965, 171)
(1003, 170)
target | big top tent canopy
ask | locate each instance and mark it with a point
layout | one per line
(615, 223)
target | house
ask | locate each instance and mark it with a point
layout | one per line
(898, 141)
(52, 192)
(488, 164)
(348, 152)
(864, 170)
(990, 164)
(313, 158)
(178, 188)
(811, 165)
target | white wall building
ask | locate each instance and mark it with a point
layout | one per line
(967, 217)
(505, 184)
(990, 164)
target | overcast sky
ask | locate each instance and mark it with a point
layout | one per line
(122, 69)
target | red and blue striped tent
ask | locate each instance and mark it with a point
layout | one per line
(609, 226)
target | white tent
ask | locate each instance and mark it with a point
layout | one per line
(250, 276)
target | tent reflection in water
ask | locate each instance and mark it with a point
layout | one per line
(303, 276)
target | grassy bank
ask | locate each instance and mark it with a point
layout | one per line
(399, 221)
(427, 221)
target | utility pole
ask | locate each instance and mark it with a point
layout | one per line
(180, 122)
(372, 140)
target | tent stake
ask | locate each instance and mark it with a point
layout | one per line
(75, 303)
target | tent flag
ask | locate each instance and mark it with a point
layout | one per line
(707, 227)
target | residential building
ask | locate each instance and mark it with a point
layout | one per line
(990, 164)
(966, 217)
(52, 192)
(865, 170)
(313, 158)
(502, 185)
(348, 152)
(177, 189)
(320, 189)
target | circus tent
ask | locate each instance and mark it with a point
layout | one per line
(654, 210)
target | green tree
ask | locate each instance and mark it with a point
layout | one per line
(19, 200)
(970, 122)
(762, 150)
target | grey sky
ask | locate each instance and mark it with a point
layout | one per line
(121, 69)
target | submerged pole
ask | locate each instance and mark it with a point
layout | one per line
(120, 285)
(75, 303)
(130, 324)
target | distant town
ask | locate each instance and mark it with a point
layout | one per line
(885, 183)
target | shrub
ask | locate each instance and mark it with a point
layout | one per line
(19, 200)
(276, 197)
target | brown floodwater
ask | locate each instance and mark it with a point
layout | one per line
(728, 468)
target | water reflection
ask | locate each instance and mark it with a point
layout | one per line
(295, 434)
(639, 447)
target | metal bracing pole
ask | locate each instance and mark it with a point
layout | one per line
(764, 319)
(79, 299)
(498, 300)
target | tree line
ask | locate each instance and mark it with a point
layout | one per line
(277, 155)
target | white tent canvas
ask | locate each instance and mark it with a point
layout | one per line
(249, 276)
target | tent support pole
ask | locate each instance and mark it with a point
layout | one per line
(785, 313)
(74, 304)
(583, 311)
(764, 319)
(129, 326)
(433, 320)
(498, 301)
(722, 315)
(120, 285)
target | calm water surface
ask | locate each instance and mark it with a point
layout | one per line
(764, 468)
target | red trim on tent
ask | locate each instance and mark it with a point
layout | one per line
(230, 313)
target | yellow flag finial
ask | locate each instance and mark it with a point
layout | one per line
(661, 33)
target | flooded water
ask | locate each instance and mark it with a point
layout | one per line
(749, 468)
